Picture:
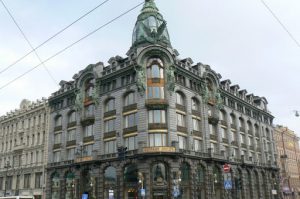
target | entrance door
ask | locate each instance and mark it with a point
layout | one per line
(159, 197)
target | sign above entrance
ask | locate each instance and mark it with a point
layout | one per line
(226, 168)
(163, 149)
(84, 159)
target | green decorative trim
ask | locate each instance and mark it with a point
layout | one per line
(141, 79)
(170, 71)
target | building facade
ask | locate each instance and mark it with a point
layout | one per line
(23, 148)
(152, 125)
(289, 162)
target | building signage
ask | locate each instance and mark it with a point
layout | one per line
(84, 159)
(227, 184)
(159, 149)
(274, 192)
(226, 168)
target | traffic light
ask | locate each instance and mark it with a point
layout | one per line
(122, 152)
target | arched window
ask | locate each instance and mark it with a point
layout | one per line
(155, 79)
(129, 99)
(223, 116)
(70, 185)
(89, 87)
(155, 68)
(55, 186)
(110, 105)
(232, 119)
(179, 98)
(200, 181)
(195, 104)
(131, 181)
(242, 124)
(58, 121)
(185, 180)
(72, 117)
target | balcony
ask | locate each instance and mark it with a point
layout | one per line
(88, 119)
(156, 103)
(110, 113)
(196, 113)
(242, 129)
(157, 126)
(56, 146)
(233, 126)
(19, 148)
(130, 107)
(251, 148)
(110, 134)
(234, 143)
(71, 124)
(243, 145)
(182, 129)
(84, 159)
(225, 140)
(71, 143)
(180, 107)
(223, 122)
(58, 128)
(129, 130)
(88, 139)
(213, 119)
(197, 133)
(213, 137)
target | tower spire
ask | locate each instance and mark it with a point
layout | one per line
(150, 27)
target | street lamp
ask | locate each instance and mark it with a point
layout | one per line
(80, 151)
(6, 166)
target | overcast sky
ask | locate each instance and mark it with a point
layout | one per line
(239, 39)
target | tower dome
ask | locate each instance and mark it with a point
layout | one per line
(150, 27)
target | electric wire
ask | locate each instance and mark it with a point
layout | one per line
(279, 21)
(29, 43)
(72, 44)
(53, 36)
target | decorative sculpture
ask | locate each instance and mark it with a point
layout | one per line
(141, 79)
(170, 79)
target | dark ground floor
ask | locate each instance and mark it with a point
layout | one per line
(161, 177)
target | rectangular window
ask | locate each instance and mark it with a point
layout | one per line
(1, 183)
(9, 182)
(213, 147)
(223, 133)
(110, 125)
(233, 136)
(89, 110)
(70, 154)
(155, 92)
(182, 142)
(196, 124)
(27, 181)
(212, 129)
(38, 180)
(88, 149)
(130, 142)
(157, 139)
(243, 139)
(197, 145)
(180, 120)
(110, 146)
(88, 130)
(157, 116)
(130, 120)
(71, 135)
(57, 138)
(56, 156)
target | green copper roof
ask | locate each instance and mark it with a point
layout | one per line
(150, 27)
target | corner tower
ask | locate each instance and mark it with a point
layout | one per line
(150, 27)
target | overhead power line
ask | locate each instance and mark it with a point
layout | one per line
(69, 46)
(29, 43)
(53, 36)
(282, 25)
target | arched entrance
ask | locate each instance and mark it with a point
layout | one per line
(87, 182)
(110, 183)
(185, 181)
(70, 185)
(131, 185)
(160, 185)
(55, 186)
(217, 185)
(200, 182)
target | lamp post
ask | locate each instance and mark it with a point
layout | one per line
(80, 151)
(6, 166)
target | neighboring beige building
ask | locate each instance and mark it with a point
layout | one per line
(23, 149)
(289, 161)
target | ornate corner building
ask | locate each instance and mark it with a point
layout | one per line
(289, 163)
(23, 149)
(151, 125)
